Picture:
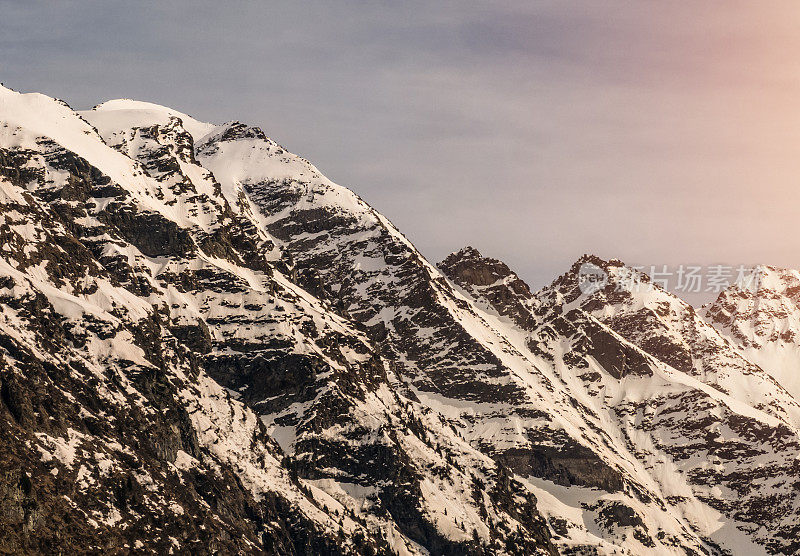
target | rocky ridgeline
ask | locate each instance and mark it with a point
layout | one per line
(444, 350)
(673, 388)
(761, 317)
(207, 346)
(131, 282)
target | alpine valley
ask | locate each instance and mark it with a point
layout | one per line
(208, 347)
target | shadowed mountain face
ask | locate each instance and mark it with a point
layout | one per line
(207, 346)
(491, 280)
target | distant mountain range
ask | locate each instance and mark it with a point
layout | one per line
(206, 346)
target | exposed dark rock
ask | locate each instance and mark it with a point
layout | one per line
(151, 233)
(195, 336)
(493, 281)
(571, 464)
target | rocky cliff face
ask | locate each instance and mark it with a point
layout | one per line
(207, 346)
(671, 385)
(491, 281)
(116, 438)
(760, 315)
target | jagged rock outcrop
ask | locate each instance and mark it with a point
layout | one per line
(492, 280)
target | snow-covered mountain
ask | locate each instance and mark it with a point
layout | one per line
(207, 346)
(761, 316)
(670, 387)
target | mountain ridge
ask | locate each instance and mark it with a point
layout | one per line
(303, 355)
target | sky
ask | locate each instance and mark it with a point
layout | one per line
(653, 132)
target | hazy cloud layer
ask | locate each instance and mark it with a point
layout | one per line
(655, 132)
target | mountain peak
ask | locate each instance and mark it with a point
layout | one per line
(128, 104)
(124, 113)
(468, 266)
(465, 253)
(591, 259)
(490, 281)
(591, 276)
(770, 278)
(761, 315)
(767, 294)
